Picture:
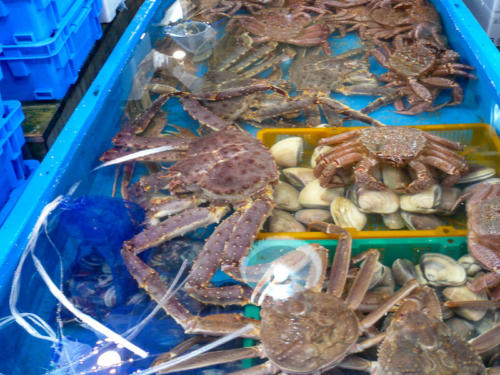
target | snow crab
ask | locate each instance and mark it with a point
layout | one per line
(419, 342)
(399, 146)
(483, 239)
(308, 331)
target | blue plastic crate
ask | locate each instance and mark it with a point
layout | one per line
(45, 70)
(1, 103)
(28, 168)
(11, 142)
(28, 21)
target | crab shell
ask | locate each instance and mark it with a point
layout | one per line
(308, 332)
(394, 145)
(227, 166)
(483, 213)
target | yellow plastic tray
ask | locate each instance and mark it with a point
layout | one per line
(482, 146)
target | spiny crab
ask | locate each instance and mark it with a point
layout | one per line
(292, 26)
(420, 68)
(307, 331)
(483, 238)
(398, 146)
(417, 341)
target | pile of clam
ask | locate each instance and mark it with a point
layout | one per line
(299, 198)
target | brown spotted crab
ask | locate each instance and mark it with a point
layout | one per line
(399, 146)
(419, 71)
(307, 331)
(417, 341)
(483, 237)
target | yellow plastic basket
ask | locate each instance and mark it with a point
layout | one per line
(482, 146)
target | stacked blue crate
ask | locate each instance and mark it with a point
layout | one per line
(15, 170)
(43, 45)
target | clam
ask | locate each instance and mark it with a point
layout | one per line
(316, 196)
(319, 150)
(288, 152)
(421, 222)
(403, 271)
(477, 173)
(425, 202)
(286, 197)
(420, 275)
(461, 327)
(462, 293)
(442, 270)
(470, 265)
(394, 220)
(490, 319)
(346, 214)
(282, 221)
(376, 201)
(308, 215)
(299, 177)
(394, 178)
(450, 196)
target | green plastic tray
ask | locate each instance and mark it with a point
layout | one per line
(267, 250)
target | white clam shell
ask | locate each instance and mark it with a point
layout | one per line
(282, 221)
(308, 215)
(442, 270)
(286, 197)
(288, 152)
(462, 293)
(315, 196)
(394, 220)
(426, 201)
(394, 178)
(377, 202)
(346, 214)
(299, 177)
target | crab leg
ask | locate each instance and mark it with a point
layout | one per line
(487, 340)
(348, 111)
(339, 138)
(266, 368)
(285, 107)
(377, 103)
(341, 261)
(151, 282)
(134, 141)
(174, 226)
(446, 166)
(363, 278)
(374, 316)
(363, 176)
(256, 54)
(225, 248)
(443, 141)
(216, 358)
(287, 55)
(424, 177)
(203, 115)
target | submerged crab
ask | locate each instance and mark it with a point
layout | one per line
(286, 25)
(419, 69)
(307, 331)
(483, 238)
(419, 342)
(398, 146)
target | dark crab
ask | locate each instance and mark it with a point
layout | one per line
(307, 332)
(419, 342)
(398, 146)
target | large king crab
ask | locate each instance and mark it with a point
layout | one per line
(307, 332)
(398, 146)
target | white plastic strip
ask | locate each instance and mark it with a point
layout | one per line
(194, 353)
(133, 156)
